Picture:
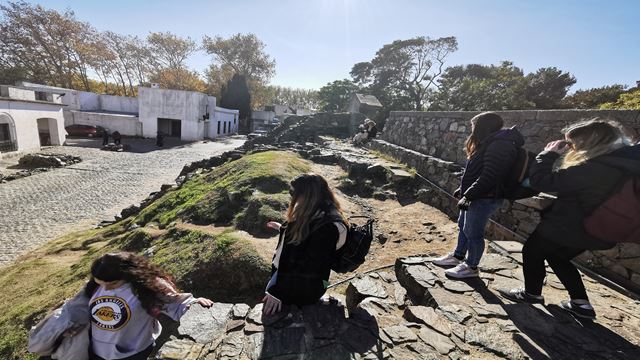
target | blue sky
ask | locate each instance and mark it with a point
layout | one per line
(317, 41)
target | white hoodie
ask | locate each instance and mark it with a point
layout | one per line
(121, 327)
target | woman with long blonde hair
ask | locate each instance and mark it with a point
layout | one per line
(597, 158)
(314, 229)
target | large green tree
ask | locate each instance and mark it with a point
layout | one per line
(477, 87)
(405, 72)
(627, 101)
(242, 54)
(235, 95)
(334, 97)
(547, 87)
(46, 46)
(594, 98)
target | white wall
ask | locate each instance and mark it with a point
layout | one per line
(223, 115)
(25, 115)
(122, 104)
(88, 101)
(15, 93)
(125, 124)
(187, 106)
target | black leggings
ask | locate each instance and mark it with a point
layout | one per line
(538, 249)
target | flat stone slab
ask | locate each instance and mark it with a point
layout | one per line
(360, 289)
(455, 313)
(205, 325)
(400, 334)
(428, 316)
(495, 262)
(415, 278)
(490, 311)
(510, 246)
(457, 286)
(492, 339)
(441, 343)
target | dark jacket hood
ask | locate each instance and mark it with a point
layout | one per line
(511, 134)
(626, 158)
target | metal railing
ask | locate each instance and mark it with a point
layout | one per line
(8, 145)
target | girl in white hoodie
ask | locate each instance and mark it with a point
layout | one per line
(127, 294)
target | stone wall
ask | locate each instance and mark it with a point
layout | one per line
(515, 220)
(442, 134)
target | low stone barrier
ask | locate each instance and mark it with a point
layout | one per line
(515, 220)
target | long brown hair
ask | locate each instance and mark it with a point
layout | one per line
(152, 285)
(592, 138)
(482, 125)
(309, 193)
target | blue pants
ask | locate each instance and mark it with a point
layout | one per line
(471, 224)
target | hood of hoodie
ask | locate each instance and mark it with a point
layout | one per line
(626, 158)
(511, 134)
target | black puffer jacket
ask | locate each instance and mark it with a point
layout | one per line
(485, 172)
(304, 269)
(580, 189)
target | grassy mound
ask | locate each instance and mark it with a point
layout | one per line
(220, 195)
(218, 264)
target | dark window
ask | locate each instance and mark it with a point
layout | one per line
(4, 132)
(41, 96)
(224, 126)
(218, 128)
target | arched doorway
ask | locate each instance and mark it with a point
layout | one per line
(48, 132)
(8, 140)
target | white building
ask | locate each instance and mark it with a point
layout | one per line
(189, 115)
(30, 119)
(116, 113)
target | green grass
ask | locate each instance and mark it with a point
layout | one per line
(215, 197)
(223, 266)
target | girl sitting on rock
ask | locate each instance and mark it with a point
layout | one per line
(314, 229)
(491, 151)
(127, 294)
(598, 157)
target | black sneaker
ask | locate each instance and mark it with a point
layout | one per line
(521, 296)
(584, 311)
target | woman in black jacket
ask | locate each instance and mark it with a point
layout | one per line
(314, 230)
(598, 157)
(491, 151)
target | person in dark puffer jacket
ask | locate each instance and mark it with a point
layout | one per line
(598, 158)
(491, 151)
(307, 245)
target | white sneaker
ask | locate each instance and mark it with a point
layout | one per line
(462, 271)
(447, 260)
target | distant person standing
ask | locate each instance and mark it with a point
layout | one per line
(105, 137)
(160, 139)
(117, 138)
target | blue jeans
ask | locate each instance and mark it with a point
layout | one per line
(471, 224)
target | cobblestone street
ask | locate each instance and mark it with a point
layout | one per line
(39, 208)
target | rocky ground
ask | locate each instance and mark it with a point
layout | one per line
(400, 306)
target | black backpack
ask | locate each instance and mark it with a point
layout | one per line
(512, 188)
(356, 247)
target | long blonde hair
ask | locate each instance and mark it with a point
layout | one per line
(592, 138)
(482, 125)
(309, 193)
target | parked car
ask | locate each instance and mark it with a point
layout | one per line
(84, 130)
(256, 133)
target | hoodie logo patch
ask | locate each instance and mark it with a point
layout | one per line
(109, 313)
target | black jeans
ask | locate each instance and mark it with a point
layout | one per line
(538, 249)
